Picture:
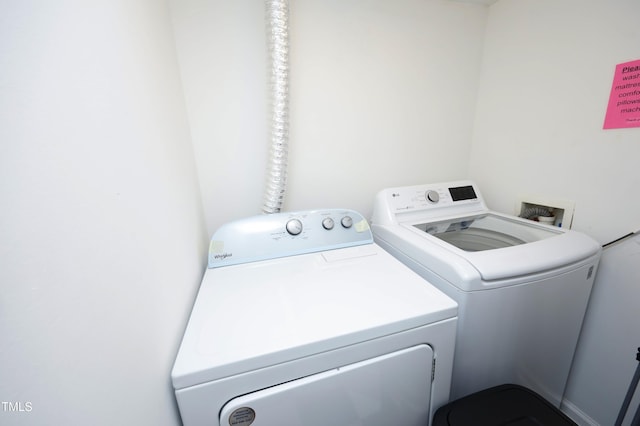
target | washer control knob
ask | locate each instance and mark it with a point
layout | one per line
(347, 222)
(327, 223)
(294, 226)
(433, 196)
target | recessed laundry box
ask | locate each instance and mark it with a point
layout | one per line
(522, 287)
(301, 319)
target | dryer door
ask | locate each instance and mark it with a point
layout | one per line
(393, 389)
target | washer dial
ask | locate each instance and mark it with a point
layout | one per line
(347, 222)
(432, 196)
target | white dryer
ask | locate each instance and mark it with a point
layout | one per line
(302, 319)
(522, 287)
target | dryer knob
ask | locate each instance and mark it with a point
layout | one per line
(327, 223)
(433, 196)
(294, 226)
(347, 221)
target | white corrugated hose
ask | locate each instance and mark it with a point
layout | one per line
(277, 16)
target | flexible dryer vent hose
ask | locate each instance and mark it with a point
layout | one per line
(532, 212)
(277, 16)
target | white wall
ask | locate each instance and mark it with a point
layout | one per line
(547, 71)
(382, 94)
(605, 360)
(546, 75)
(222, 50)
(102, 239)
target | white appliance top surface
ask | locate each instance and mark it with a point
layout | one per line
(486, 231)
(416, 220)
(258, 314)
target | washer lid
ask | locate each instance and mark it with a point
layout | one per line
(509, 247)
(259, 314)
(488, 269)
(486, 232)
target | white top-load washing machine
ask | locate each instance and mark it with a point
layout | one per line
(522, 287)
(301, 319)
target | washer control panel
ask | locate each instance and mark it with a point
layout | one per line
(287, 234)
(426, 201)
(430, 196)
(414, 198)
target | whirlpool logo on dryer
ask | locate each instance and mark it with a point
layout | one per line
(222, 256)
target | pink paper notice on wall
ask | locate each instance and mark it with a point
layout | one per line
(624, 102)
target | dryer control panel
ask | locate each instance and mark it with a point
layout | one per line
(287, 234)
